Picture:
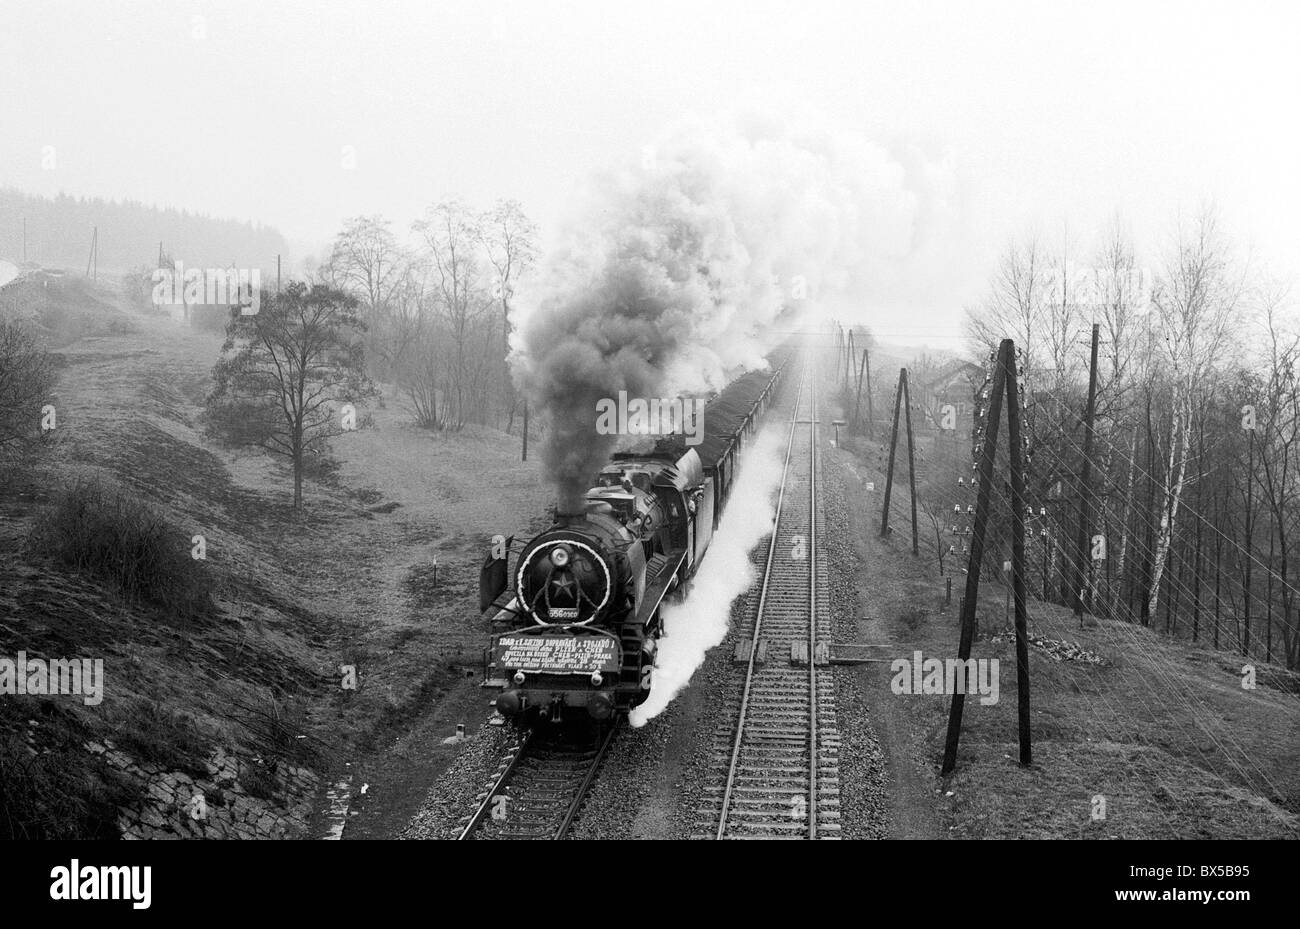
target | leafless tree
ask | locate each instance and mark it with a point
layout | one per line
(284, 371)
(452, 234)
(367, 262)
(1195, 301)
(509, 240)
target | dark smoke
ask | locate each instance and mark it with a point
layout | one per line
(687, 268)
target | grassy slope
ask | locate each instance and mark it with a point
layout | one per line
(1162, 729)
(299, 595)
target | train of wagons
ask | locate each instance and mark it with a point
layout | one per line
(576, 611)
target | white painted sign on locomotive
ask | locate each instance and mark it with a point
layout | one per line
(555, 654)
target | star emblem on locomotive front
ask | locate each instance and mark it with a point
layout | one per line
(564, 584)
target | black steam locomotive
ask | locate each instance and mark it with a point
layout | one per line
(576, 623)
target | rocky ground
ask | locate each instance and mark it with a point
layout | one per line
(378, 573)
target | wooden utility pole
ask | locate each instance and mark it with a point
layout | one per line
(93, 260)
(277, 273)
(911, 459)
(1047, 565)
(889, 474)
(866, 364)
(524, 456)
(848, 368)
(1018, 568)
(1004, 382)
(857, 404)
(1081, 554)
(902, 410)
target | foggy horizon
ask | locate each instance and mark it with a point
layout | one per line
(855, 420)
(1008, 119)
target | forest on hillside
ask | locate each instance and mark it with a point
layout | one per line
(59, 233)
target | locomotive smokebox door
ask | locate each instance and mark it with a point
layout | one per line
(492, 577)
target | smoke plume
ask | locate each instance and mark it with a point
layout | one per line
(699, 622)
(687, 267)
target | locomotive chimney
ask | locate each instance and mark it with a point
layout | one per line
(569, 519)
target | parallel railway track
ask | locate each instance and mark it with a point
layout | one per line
(775, 755)
(540, 785)
(776, 758)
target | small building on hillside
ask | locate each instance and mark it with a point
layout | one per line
(953, 382)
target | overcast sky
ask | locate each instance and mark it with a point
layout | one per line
(1044, 116)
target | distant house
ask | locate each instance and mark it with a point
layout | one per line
(953, 382)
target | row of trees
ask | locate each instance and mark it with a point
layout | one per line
(56, 232)
(437, 310)
(432, 319)
(1197, 432)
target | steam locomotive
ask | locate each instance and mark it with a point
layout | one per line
(576, 623)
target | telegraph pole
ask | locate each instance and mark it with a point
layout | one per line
(976, 562)
(848, 368)
(857, 406)
(1004, 382)
(893, 447)
(866, 363)
(902, 410)
(1081, 538)
(1018, 568)
(911, 460)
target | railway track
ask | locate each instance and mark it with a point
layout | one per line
(540, 784)
(775, 758)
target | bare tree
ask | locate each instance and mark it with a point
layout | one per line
(367, 262)
(1195, 301)
(285, 369)
(1123, 313)
(1279, 445)
(1014, 306)
(509, 239)
(452, 235)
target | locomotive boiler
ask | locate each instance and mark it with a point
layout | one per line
(576, 619)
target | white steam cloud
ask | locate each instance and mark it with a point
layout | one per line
(700, 622)
(686, 267)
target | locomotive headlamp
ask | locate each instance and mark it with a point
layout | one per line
(519, 677)
(596, 679)
(559, 556)
(600, 706)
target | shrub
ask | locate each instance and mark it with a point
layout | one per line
(26, 378)
(114, 538)
(151, 732)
